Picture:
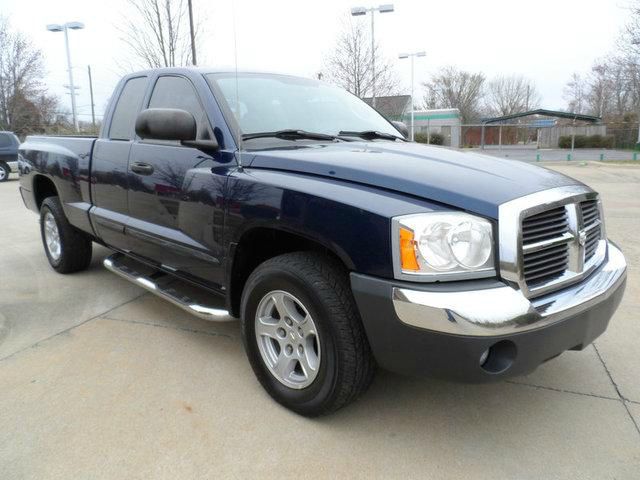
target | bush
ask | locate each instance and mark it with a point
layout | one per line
(434, 138)
(608, 141)
(584, 141)
(437, 139)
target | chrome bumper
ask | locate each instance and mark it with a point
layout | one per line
(505, 310)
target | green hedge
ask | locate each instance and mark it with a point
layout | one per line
(584, 141)
(434, 138)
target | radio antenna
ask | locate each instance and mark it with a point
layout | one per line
(235, 57)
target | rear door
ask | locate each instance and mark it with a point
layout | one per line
(109, 166)
(175, 199)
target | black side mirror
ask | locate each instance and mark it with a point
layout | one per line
(166, 124)
(402, 128)
(172, 124)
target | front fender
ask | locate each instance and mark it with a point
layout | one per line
(351, 220)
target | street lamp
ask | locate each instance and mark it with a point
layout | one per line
(65, 28)
(412, 56)
(359, 11)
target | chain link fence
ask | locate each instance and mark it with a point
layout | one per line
(609, 141)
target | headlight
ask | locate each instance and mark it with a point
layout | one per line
(442, 246)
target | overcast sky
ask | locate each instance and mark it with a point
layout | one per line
(545, 40)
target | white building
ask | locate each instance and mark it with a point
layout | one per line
(445, 121)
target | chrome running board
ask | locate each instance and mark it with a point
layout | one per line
(182, 294)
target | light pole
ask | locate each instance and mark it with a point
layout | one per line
(65, 28)
(358, 11)
(412, 56)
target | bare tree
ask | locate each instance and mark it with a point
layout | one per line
(25, 106)
(599, 96)
(157, 33)
(575, 93)
(611, 89)
(511, 94)
(453, 88)
(350, 64)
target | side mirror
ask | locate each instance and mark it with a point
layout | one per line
(402, 128)
(172, 124)
(166, 124)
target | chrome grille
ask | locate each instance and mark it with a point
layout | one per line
(545, 265)
(551, 239)
(545, 260)
(591, 222)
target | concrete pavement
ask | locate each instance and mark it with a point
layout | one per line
(101, 380)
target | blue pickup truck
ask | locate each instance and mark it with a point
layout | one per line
(340, 245)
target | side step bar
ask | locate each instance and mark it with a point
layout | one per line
(182, 294)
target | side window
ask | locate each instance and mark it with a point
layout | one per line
(177, 92)
(5, 140)
(127, 108)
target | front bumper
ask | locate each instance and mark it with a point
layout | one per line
(447, 329)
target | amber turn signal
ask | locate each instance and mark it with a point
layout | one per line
(408, 251)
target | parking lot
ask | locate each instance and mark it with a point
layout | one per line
(99, 379)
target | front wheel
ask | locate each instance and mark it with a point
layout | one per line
(303, 335)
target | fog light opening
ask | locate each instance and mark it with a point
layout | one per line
(499, 357)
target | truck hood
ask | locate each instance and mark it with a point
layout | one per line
(469, 181)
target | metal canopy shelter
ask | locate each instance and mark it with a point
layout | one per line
(545, 113)
(541, 112)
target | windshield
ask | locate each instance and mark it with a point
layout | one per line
(269, 103)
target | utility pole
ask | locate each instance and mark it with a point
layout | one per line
(193, 35)
(373, 62)
(93, 111)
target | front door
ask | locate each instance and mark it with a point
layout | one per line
(175, 199)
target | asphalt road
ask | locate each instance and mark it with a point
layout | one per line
(101, 380)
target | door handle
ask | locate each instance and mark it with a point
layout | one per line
(142, 168)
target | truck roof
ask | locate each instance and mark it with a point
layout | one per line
(203, 70)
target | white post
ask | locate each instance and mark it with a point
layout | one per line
(71, 86)
(638, 142)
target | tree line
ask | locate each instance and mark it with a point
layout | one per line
(157, 35)
(611, 88)
(26, 106)
(349, 64)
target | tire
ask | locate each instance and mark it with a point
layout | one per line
(4, 172)
(73, 249)
(340, 352)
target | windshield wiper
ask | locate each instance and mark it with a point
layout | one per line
(370, 135)
(291, 134)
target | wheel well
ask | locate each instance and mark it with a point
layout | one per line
(259, 245)
(43, 187)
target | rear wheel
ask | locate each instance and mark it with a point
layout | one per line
(68, 249)
(4, 172)
(303, 335)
